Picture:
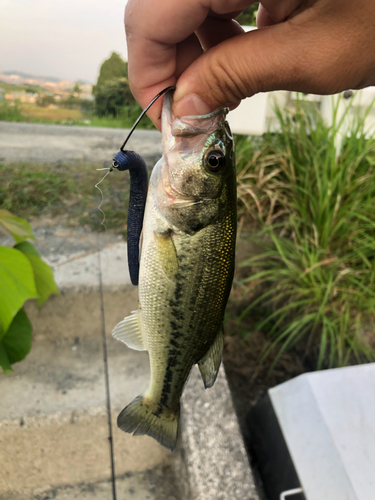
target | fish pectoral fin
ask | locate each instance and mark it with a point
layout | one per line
(129, 332)
(167, 253)
(210, 363)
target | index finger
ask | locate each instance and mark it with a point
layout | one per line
(153, 30)
(160, 42)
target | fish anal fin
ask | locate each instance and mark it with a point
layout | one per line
(210, 363)
(129, 332)
(167, 253)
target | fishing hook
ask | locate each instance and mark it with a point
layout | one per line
(132, 161)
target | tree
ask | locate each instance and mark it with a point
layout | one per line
(71, 102)
(112, 96)
(46, 100)
(111, 69)
(112, 92)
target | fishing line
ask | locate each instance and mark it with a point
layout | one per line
(115, 163)
(102, 200)
(143, 114)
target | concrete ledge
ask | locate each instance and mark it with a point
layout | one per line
(211, 444)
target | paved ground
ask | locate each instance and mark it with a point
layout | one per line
(54, 143)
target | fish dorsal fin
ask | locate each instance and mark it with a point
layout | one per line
(210, 363)
(129, 332)
(167, 253)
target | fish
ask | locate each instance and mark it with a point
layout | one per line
(186, 267)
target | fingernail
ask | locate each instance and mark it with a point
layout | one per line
(189, 105)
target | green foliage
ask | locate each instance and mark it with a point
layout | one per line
(113, 98)
(112, 68)
(46, 100)
(316, 271)
(248, 15)
(15, 344)
(87, 107)
(71, 102)
(18, 228)
(23, 276)
(125, 118)
(43, 274)
(25, 191)
(65, 190)
(10, 112)
(113, 95)
(16, 284)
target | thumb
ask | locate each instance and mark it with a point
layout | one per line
(307, 53)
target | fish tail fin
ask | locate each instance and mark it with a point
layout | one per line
(140, 418)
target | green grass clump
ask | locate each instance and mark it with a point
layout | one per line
(316, 213)
(67, 190)
(32, 191)
(10, 112)
(125, 118)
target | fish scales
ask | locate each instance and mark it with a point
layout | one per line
(186, 269)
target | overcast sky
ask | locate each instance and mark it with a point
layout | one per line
(60, 38)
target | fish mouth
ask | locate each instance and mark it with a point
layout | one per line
(191, 125)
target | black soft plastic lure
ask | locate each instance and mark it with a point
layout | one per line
(132, 161)
(129, 160)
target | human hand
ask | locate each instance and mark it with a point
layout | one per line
(312, 46)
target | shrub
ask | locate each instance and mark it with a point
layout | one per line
(315, 274)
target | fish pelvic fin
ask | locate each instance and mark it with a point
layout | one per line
(210, 363)
(129, 332)
(140, 418)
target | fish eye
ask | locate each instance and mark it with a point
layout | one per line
(215, 160)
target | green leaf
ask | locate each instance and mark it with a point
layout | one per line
(17, 227)
(4, 360)
(16, 284)
(16, 343)
(43, 274)
(27, 247)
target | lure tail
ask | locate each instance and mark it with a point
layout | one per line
(129, 160)
(140, 418)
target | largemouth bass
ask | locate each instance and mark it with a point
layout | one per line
(186, 267)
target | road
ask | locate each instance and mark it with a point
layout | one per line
(39, 143)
